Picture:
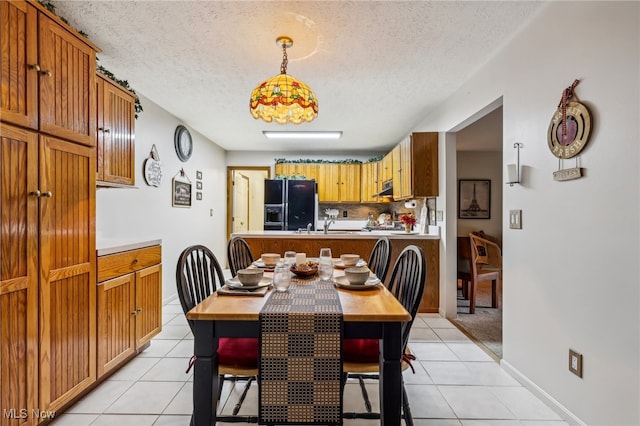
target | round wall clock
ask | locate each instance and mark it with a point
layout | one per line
(567, 140)
(183, 143)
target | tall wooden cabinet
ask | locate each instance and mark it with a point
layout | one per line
(18, 270)
(47, 210)
(115, 133)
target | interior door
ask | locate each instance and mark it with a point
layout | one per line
(240, 202)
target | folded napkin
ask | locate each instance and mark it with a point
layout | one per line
(230, 291)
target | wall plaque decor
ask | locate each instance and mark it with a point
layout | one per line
(569, 132)
(152, 168)
(181, 190)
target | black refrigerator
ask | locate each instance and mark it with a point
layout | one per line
(289, 204)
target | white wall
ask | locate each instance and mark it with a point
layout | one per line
(573, 268)
(146, 212)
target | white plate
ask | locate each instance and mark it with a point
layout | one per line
(260, 264)
(340, 264)
(342, 282)
(237, 285)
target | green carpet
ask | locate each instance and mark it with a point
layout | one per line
(485, 326)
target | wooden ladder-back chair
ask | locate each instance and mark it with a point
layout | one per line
(361, 356)
(198, 275)
(238, 255)
(479, 260)
(380, 258)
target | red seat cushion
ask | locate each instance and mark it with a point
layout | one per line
(360, 350)
(238, 352)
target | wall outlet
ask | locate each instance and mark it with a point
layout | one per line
(344, 213)
(575, 362)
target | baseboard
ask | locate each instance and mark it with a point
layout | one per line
(567, 415)
(169, 299)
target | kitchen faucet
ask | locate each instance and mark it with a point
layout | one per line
(330, 217)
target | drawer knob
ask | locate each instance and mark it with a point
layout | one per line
(135, 260)
(134, 313)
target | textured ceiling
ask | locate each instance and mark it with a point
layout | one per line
(378, 68)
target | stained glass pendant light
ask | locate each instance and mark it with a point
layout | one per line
(284, 98)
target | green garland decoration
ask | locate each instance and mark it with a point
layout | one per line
(308, 160)
(124, 83)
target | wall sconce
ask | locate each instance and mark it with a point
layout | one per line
(513, 170)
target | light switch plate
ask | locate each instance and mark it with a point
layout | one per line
(515, 219)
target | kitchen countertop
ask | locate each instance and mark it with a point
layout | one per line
(338, 234)
(105, 246)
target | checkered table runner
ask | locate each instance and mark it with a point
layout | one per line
(301, 355)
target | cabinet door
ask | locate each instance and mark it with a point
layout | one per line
(386, 170)
(424, 155)
(116, 325)
(18, 32)
(115, 133)
(67, 93)
(369, 179)
(68, 265)
(349, 182)
(18, 270)
(406, 169)
(397, 172)
(329, 182)
(148, 304)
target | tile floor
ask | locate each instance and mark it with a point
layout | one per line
(456, 383)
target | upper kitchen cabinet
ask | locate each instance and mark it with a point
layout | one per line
(48, 73)
(415, 166)
(307, 171)
(385, 170)
(369, 180)
(115, 134)
(339, 182)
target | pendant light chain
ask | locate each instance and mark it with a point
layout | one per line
(285, 60)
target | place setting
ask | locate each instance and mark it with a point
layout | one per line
(348, 260)
(248, 282)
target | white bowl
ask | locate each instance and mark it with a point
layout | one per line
(270, 259)
(357, 276)
(349, 259)
(251, 276)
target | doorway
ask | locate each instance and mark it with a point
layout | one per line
(245, 198)
(479, 149)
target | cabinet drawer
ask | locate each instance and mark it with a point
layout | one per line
(117, 264)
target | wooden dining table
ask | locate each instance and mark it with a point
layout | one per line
(373, 314)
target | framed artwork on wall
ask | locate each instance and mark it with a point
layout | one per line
(474, 199)
(181, 190)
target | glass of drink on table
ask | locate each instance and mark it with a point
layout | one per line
(325, 264)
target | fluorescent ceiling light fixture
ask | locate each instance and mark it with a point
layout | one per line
(302, 135)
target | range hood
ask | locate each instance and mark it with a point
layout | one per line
(387, 189)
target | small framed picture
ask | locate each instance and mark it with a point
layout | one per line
(474, 199)
(198, 185)
(198, 195)
(198, 174)
(181, 193)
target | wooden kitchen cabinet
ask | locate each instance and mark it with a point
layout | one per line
(307, 171)
(129, 304)
(67, 261)
(115, 133)
(18, 270)
(47, 211)
(48, 73)
(415, 166)
(369, 181)
(339, 182)
(385, 170)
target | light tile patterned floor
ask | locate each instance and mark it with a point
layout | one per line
(456, 383)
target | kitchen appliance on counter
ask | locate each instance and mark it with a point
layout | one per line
(289, 204)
